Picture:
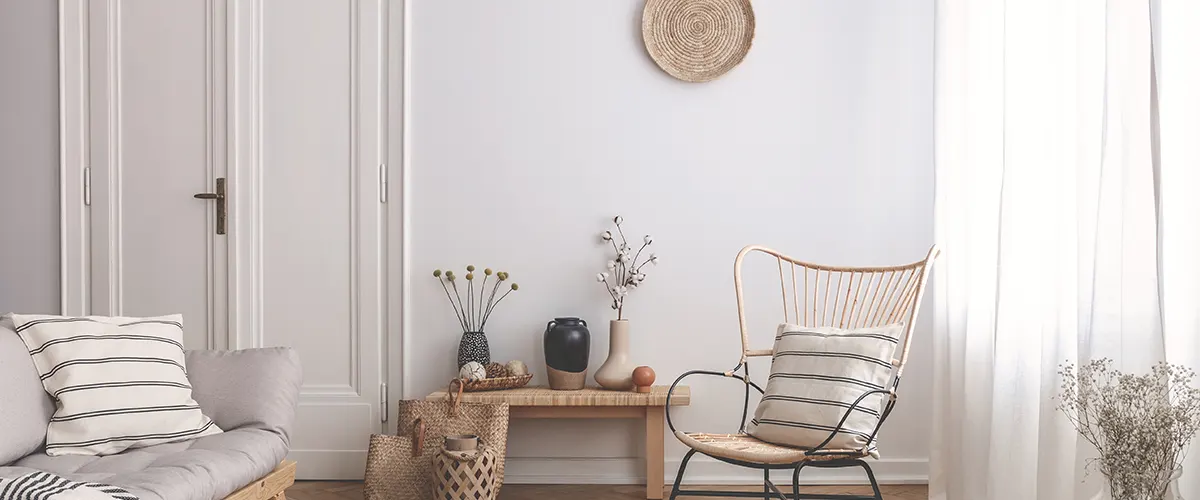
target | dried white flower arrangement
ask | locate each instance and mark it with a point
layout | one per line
(1140, 425)
(625, 268)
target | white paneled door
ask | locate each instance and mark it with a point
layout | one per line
(229, 155)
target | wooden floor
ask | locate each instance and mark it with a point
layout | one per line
(324, 490)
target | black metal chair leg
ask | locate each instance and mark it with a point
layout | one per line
(679, 475)
(796, 482)
(766, 484)
(871, 476)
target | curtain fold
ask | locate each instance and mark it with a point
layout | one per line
(1066, 208)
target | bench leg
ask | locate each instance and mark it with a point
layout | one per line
(654, 452)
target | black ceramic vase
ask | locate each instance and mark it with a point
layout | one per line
(567, 343)
(473, 347)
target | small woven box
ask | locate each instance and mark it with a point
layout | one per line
(465, 475)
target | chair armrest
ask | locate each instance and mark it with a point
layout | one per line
(891, 403)
(745, 378)
(255, 388)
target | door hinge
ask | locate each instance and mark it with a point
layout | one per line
(87, 186)
(383, 403)
(383, 183)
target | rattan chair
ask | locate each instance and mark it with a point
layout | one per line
(842, 297)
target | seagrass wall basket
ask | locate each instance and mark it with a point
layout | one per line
(697, 40)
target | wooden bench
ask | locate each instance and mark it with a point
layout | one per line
(542, 402)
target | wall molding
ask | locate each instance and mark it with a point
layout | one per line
(74, 219)
(113, 167)
(701, 470)
(244, 152)
(405, 162)
(394, 106)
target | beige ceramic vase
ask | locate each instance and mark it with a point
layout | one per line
(616, 373)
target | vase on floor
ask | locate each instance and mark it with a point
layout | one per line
(1132, 485)
(473, 347)
(617, 371)
(567, 344)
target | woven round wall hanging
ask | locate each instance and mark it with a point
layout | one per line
(697, 40)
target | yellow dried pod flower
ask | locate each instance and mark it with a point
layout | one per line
(470, 276)
(470, 268)
(514, 286)
(437, 273)
(487, 271)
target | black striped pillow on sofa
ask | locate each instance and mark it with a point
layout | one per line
(118, 382)
(816, 376)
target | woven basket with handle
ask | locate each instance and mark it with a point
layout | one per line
(400, 467)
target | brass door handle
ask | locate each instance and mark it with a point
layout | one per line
(219, 196)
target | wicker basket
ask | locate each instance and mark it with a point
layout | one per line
(399, 467)
(498, 383)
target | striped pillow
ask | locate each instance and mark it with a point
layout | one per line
(816, 375)
(118, 383)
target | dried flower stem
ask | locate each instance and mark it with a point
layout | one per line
(491, 303)
(639, 254)
(457, 315)
(500, 299)
(466, 323)
(470, 305)
(483, 289)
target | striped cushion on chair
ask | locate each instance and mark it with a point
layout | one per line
(816, 376)
(119, 383)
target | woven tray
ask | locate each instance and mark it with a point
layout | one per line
(498, 383)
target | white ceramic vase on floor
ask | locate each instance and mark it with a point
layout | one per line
(617, 371)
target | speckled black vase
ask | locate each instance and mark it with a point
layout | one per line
(473, 347)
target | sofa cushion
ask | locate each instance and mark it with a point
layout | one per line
(119, 382)
(25, 408)
(209, 468)
(254, 388)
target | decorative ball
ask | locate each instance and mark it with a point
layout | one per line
(472, 371)
(496, 370)
(643, 376)
(516, 368)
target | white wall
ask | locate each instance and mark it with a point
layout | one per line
(29, 156)
(534, 121)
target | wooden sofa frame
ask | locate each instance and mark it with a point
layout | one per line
(270, 486)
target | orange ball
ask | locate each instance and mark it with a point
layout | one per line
(643, 376)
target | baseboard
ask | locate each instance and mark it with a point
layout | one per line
(333, 465)
(701, 470)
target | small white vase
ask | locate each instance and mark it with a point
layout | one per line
(616, 373)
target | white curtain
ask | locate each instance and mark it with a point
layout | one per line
(1066, 163)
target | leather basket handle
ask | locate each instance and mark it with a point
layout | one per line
(455, 397)
(418, 437)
